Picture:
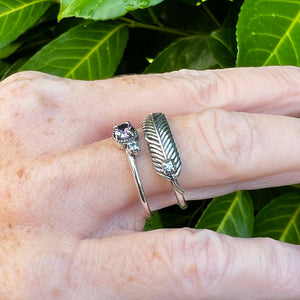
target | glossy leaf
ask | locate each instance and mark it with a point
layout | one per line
(88, 51)
(231, 214)
(175, 217)
(280, 219)
(9, 49)
(222, 44)
(167, 218)
(262, 197)
(268, 33)
(13, 68)
(101, 9)
(16, 16)
(186, 53)
(154, 222)
(3, 67)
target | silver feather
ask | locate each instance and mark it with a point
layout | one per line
(163, 150)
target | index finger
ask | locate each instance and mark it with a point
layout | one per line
(82, 112)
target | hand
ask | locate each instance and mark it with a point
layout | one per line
(70, 216)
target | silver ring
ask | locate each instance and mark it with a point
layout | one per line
(164, 153)
(126, 136)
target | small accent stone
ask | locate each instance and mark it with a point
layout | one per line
(168, 167)
(133, 148)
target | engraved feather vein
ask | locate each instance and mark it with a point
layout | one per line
(160, 143)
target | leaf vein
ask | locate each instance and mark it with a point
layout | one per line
(95, 48)
(22, 7)
(292, 25)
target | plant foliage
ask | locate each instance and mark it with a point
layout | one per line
(96, 39)
(231, 214)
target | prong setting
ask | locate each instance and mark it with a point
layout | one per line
(133, 148)
(168, 167)
(124, 133)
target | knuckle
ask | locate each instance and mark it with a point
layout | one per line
(284, 273)
(23, 75)
(19, 86)
(26, 99)
(203, 89)
(228, 138)
(287, 76)
(203, 259)
(25, 85)
(287, 79)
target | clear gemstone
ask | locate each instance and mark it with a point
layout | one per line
(133, 148)
(168, 167)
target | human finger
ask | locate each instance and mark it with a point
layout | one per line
(46, 114)
(219, 150)
(186, 264)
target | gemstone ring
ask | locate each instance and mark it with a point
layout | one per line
(164, 153)
(126, 136)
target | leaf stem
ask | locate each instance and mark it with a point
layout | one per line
(207, 10)
(199, 208)
(136, 24)
(154, 17)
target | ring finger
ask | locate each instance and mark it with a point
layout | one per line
(89, 189)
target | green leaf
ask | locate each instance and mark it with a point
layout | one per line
(268, 33)
(101, 9)
(175, 217)
(171, 217)
(88, 51)
(231, 214)
(154, 222)
(222, 44)
(186, 53)
(9, 49)
(262, 197)
(13, 68)
(3, 67)
(16, 16)
(280, 219)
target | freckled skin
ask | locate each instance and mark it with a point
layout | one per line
(71, 224)
(29, 122)
(20, 172)
(24, 115)
(56, 293)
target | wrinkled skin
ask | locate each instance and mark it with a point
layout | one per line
(70, 218)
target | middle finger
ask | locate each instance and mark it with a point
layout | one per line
(90, 189)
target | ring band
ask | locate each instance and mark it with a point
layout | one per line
(126, 136)
(164, 153)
